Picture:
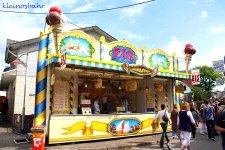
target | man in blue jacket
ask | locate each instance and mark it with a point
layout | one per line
(209, 117)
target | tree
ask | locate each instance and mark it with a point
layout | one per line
(208, 82)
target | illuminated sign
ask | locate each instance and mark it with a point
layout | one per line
(122, 54)
(139, 70)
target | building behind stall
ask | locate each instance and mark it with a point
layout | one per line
(13, 78)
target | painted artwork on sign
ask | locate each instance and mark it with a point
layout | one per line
(121, 54)
(159, 60)
(124, 127)
(77, 47)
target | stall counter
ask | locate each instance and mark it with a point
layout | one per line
(72, 128)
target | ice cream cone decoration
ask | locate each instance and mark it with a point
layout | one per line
(189, 50)
(56, 19)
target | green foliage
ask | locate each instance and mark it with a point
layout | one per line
(208, 78)
(62, 43)
(91, 49)
(208, 82)
(198, 94)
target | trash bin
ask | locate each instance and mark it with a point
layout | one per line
(38, 134)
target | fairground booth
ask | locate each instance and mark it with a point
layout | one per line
(74, 68)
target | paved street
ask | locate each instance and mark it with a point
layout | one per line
(136, 143)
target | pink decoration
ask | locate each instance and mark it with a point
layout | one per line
(189, 49)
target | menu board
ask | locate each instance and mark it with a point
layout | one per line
(61, 97)
(149, 99)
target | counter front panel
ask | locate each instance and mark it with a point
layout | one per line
(71, 128)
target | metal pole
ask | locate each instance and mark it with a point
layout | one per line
(24, 100)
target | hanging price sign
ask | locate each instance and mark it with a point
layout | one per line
(195, 77)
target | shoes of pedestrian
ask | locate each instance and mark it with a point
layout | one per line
(213, 139)
(202, 133)
(169, 145)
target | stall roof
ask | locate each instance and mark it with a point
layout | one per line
(14, 45)
(107, 66)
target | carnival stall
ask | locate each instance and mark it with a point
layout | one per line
(74, 68)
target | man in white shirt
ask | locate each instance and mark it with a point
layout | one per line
(164, 125)
(96, 106)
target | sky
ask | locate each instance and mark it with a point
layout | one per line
(164, 24)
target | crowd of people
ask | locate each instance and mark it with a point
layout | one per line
(209, 116)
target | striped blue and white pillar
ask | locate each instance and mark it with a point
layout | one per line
(143, 49)
(102, 43)
(41, 82)
(177, 96)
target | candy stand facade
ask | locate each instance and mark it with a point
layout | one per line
(131, 83)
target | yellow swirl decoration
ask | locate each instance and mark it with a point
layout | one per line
(103, 127)
(76, 127)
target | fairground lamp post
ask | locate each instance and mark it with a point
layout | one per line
(189, 50)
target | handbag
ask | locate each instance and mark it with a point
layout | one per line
(165, 118)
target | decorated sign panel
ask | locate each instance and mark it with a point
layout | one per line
(70, 128)
(218, 66)
(122, 54)
(80, 46)
(139, 70)
(124, 126)
(77, 47)
(195, 77)
(159, 60)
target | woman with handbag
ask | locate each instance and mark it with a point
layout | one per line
(163, 115)
(184, 122)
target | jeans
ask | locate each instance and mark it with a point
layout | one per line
(164, 134)
(176, 134)
(210, 127)
(193, 131)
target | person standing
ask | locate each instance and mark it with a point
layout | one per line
(203, 129)
(164, 125)
(173, 118)
(209, 115)
(220, 126)
(96, 106)
(184, 121)
(193, 105)
(193, 128)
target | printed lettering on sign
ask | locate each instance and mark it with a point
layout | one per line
(122, 54)
(195, 77)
